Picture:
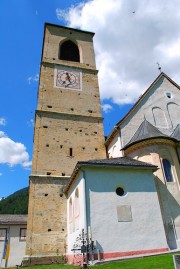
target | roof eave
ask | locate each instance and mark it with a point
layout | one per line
(148, 139)
(84, 164)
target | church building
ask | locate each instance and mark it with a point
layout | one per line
(124, 192)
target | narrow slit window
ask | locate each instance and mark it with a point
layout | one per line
(70, 152)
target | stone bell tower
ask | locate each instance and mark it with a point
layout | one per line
(68, 128)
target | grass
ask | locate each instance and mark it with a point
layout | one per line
(153, 262)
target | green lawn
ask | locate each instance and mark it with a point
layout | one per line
(153, 262)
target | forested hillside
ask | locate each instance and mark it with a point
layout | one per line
(16, 203)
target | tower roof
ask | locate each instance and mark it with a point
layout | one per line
(68, 28)
(176, 133)
(145, 131)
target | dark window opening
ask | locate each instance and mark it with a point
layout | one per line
(22, 236)
(70, 152)
(167, 170)
(120, 191)
(69, 51)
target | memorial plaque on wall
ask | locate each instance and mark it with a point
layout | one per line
(124, 213)
(176, 259)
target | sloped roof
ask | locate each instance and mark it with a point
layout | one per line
(115, 129)
(13, 219)
(121, 162)
(145, 131)
(176, 133)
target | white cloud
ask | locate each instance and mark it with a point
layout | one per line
(128, 45)
(33, 79)
(13, 153)
(1, 174)
(2, 121)
(30, 123)
(106, 108)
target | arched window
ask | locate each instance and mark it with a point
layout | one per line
(70, 210)
(70, 216)
(76, 209)
(76, 204)
(167, 170)
(69, 51)
(159, 117)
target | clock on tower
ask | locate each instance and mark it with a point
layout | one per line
(68, 78)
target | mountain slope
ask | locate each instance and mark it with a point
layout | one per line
(16, 203)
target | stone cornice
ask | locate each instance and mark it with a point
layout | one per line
(67, 64)
(69, 114)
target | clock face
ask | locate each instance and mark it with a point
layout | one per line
(68, 79)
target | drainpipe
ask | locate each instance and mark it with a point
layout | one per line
(84, 201)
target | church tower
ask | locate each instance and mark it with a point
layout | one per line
(68, 128)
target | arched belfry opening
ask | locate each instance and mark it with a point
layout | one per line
(69, 51)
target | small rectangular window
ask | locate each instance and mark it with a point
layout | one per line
(3, 234)
(70, 152)
(22, 236)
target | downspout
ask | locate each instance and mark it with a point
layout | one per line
(84, 201)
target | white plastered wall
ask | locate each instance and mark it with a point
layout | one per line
(114, 148)
(155, 99)
(17, 246)
(102, 201)
(74, 232)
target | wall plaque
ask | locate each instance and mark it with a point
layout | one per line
(124, 213)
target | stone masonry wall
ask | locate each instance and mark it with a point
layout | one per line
(68, 128)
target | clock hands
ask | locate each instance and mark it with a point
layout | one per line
(67, 79)
(71, 81)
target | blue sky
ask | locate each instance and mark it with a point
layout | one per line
(131, 37)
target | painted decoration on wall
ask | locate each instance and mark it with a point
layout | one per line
(68, 78)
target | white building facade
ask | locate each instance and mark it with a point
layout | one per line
(150, 132)
(114, 201)
(12, 239)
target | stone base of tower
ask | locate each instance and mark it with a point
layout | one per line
(43, 260)
(47, 222)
